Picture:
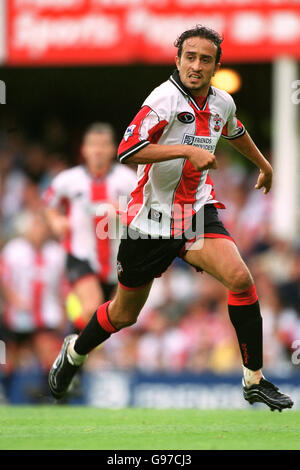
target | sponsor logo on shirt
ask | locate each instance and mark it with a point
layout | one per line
(186, 117)
(203, 142)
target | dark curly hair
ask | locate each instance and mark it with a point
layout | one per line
(201, 32)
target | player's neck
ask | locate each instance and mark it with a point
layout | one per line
(201, 92)
(37, 245)
(99, 172)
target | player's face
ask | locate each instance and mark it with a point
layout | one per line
(38, 232)
(98, 149)
(197, 64)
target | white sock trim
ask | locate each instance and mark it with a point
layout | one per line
(252, 377)
(73, 357)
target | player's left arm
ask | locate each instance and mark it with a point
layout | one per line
(247, 147)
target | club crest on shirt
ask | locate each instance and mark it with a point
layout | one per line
(129, 132)
(119, 267)
(217, 122)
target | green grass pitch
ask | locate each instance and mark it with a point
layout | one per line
(68, 428)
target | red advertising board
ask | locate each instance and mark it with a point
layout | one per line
(43, 32)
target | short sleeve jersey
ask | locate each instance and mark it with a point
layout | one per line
(168, 193)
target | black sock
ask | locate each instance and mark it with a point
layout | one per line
(247, 322)
(92, 335)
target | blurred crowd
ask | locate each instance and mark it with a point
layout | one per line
(184, 325)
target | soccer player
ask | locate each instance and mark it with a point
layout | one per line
(172, 139)
(32, 273)
(76, 202)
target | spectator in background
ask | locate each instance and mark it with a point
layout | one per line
(12, 189)
(89, 194)
(163, 346)
(35, 163)
(55, 135)
(229, 170)
(277, 261)
(32, 277)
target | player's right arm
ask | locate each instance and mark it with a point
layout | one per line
(154, 153)
(140, 141)
(58, 223)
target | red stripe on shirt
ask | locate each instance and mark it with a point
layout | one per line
(135, 137)
(138, 193)
(225, 128)
(135, 204)
(67, 240)
(37, 291)
(202, 122)
(218, 205)
(185, 194)
(98, 194)
(184, 198)
(156, 132)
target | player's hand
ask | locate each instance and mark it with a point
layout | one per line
(265, 180)
(20, 303)
(201, 159)
(60, 226)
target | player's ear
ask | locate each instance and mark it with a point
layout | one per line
(217, 68)
(81, 153)
(177, 61)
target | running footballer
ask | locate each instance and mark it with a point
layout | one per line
(172, 139)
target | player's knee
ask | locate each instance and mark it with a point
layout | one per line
(90, 306)
(241, 280)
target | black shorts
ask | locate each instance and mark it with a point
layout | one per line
(20, 338)
(77, 269)
(140, 260)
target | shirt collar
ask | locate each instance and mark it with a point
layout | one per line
(175, 79)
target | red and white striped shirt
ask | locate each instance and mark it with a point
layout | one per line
(85, 200)
(36, 276)
(168, 193)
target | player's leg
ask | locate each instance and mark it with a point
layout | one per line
(109, 318)
(89, 294)
(86, 292)
(221, 258)
(122, 311)
(136, 279)
(109, 290)
(140, 260)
